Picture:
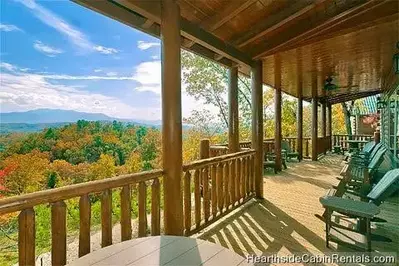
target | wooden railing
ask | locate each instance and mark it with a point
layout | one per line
(56, 198)
(323, 145)
(218, 150)
(340, 140)
(268, 146)
(215, 186)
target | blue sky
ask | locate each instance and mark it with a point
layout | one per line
(57, 54)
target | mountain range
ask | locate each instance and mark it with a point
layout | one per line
(61, 116)
(37, 120)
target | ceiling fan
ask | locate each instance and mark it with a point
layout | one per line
(328, 85)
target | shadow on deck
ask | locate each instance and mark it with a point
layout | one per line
(285, 223)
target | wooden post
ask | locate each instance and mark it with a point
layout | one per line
(171, 117)
(277, 110)
(234, 140)
(204, 148)
(126, 215)
(329, 123)
(58, 233)
(26, 237)
(324, 126)
(257, 125)
(299, 121)
(84, 229)
(314, 115)
(324, 119)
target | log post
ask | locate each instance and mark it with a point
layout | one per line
(324, 119)
(26, 237)
(257, 125)
(299, 121)
(234, 140)
(58, 233)
(126, 216)
(324, 125)
(84, 229)
(314, 115)
(171, 117)
(329, 123)
(277, 111)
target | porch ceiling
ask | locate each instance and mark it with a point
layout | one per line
(351, 40)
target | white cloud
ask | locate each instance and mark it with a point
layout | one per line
(111, 74)
(27, 91)
(52, 20)
(47, 50)
(142, 45)
(98, 70)
(148, 75)
(9, 27)
(8, 66)
(155, 57)
(69, 77)
(105, 50)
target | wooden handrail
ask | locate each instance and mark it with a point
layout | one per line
(21, 202)
(205, 162)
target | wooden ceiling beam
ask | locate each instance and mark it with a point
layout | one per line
(136, 12)
(390, 14)
(332, 34)
(279, 20)
(345, 97)
(233, 9)
(330, 22)
(189, 30)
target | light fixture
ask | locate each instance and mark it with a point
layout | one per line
(328, 86)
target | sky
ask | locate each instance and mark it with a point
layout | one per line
(60, 55)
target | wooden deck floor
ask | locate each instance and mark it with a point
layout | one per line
(285, 223)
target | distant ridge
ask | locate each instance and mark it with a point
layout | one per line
(47, 116)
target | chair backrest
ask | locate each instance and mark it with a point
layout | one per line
(385, 187)
(377, 147)
(376, 161)
(369, 146)
(285, 145)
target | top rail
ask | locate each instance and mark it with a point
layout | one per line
(201, 163)
(20, 202)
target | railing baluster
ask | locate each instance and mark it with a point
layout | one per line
(58, 233)
(253, 172)
(206, 194)
(106, 218)
(247, 187)
(219, 186)
(214, 170)
(242, 191)
(142, 209)
(307, 148)
(237, 182)
(126, 217)
(187, 202)
(233, 182)
(26, 237)
(226, 198)
(84, 229)
(197, 198)
(155, 208)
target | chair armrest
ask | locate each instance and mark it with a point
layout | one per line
(351, 207)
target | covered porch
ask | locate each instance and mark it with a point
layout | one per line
(296, 50)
